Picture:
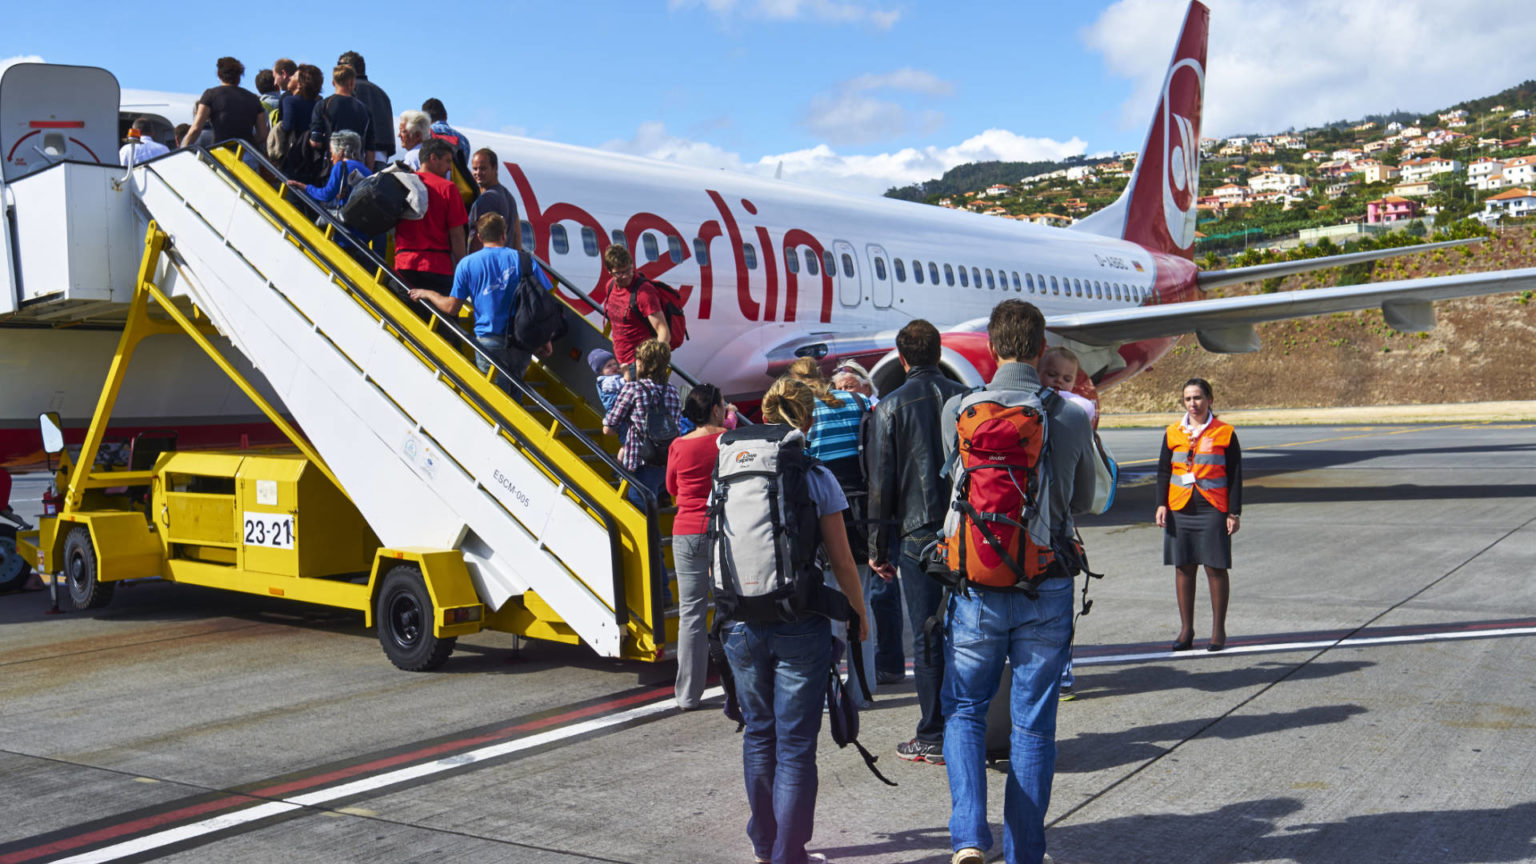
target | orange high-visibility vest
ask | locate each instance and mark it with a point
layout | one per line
(1199, 464)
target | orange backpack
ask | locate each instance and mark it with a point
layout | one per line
(994, 532)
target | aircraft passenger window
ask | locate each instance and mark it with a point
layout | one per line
(1114, 291)
(791, 261)
(558, 239)
(750, 253)
(618, 238)
(976, 276)
(701, 251)
(810, 263)
(880, 269)
(527, 235)
(589, 241)
(829, 262)
(901, 270)
(1029, 280)
(991, 283)
(1098, 290)
(964, 279)
(651, 247)
(949, 275)
(675, 248)
(1055, 289)
(1017, 285)
(933, 273)
(917, 271)
(847, 265)
(1078, 284)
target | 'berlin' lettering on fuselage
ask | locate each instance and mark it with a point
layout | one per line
(542, 219)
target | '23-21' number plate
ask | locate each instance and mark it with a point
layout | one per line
(269, 530)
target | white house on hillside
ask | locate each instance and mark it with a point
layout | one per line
(1422, 169)
(1514, 202)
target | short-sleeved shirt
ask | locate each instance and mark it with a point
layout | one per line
(232, 111)
(297, 112)
(630, 330)
(690, 476)
(339, 112)
(493, 199)
(423, 244)
(488, 279)
(825, 491)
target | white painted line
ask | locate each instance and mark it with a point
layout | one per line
(160, 839)
(1277, 647)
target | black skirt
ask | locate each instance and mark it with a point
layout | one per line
(1197, 535)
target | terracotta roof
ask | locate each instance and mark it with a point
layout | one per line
(1511, 194)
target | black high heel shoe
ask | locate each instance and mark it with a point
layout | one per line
(1216, 646)
(1184, 644)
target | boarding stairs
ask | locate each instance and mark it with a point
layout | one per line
(387, 393)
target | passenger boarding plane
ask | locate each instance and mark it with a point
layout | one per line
(771, 270)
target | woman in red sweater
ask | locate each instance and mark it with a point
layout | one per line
(690, 465)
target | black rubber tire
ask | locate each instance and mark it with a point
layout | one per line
(7, 549)
(404, 614)
(80, 571)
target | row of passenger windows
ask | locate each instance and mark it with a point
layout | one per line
(1032, 283)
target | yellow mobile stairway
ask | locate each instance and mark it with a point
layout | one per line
(443, 466)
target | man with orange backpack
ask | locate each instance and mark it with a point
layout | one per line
(1021, 462)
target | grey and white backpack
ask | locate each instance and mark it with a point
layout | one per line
(764, 532)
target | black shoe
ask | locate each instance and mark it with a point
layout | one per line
(890, 677)
(1216, 646)
(921, 751)
(1183, 644)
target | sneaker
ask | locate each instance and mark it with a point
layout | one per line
(920, 751)
(968, 855)
(890, 677)
(1067, 695)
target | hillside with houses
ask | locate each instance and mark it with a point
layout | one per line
(1343, 182)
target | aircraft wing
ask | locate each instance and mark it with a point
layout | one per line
(1225, 325)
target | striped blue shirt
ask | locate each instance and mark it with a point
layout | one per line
(835, 431)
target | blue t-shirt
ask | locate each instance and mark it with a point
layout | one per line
(488, 279)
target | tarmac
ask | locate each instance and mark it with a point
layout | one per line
(1375, 704)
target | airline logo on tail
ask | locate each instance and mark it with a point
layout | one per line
(1162, 211)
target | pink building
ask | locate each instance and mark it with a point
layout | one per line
(1390, 209)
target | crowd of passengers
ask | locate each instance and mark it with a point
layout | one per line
(875, 484)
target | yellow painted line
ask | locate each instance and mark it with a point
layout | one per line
(1376, 434)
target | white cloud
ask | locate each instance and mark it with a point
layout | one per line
(1303, 63)
(852, 114)
(868, 173)
(8, 62)
(792, 10)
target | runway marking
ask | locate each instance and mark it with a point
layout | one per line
(643, 705)
(1373, 434)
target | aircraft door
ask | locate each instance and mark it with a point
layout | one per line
(850, 288)
(882, 280)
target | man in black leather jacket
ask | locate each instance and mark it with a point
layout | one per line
(908, 498)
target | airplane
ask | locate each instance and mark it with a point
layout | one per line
(771, 271)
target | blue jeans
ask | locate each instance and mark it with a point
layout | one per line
(924, 594)
(781, 680)
(511, 358)
(652, 478)
(985, 630)
(883, 599)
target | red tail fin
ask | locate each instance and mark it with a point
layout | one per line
(1162, 194)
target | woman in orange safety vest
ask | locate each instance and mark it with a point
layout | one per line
(1200, 492)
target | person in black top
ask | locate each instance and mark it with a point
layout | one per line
(380, 143)
(233, 111)
(340, 110)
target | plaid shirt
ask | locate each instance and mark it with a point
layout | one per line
(633, 405)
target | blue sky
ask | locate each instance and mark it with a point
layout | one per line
(860, 94)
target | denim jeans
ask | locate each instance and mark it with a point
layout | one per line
(781, 679)
(690, 552)
(924, 594)
(984, 630)
(652, 478)
(512, 359)
(883, 599)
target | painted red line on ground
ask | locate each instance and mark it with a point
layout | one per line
(113, 832)
(159, 820)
